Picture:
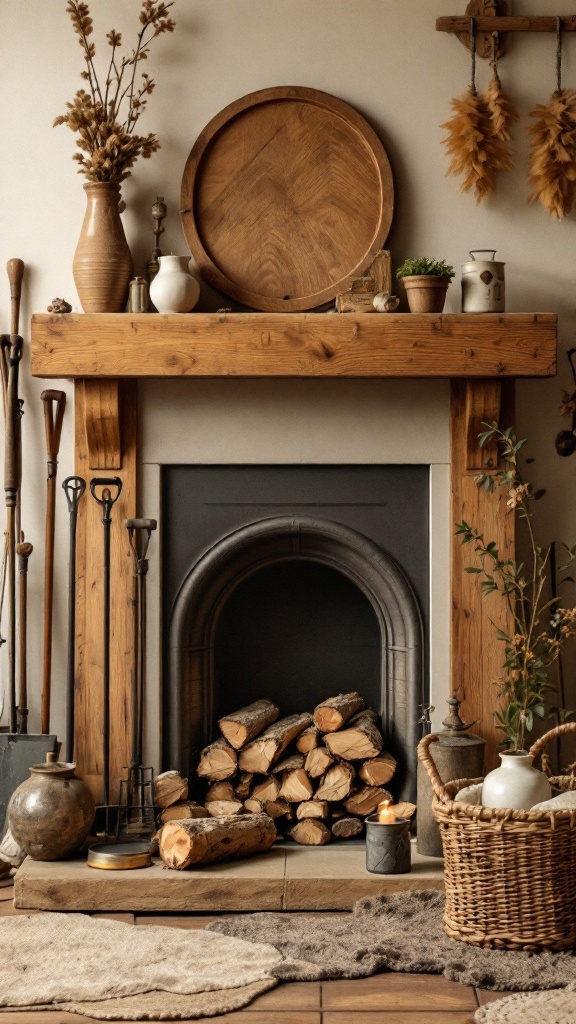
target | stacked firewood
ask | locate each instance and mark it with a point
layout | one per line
(317, 775)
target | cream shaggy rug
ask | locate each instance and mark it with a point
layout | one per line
(556, 1007)
(402, 932)
(113, 971)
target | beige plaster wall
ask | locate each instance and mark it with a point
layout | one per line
(382, 56)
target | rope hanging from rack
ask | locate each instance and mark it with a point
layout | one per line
(552, 173)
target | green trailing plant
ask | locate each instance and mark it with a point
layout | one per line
(425, 267)
(541, 625)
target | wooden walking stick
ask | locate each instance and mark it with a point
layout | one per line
(15, 270)
(23, 550)
(53, 425)
(12, 352)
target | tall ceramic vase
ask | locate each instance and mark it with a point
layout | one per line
(102, 262)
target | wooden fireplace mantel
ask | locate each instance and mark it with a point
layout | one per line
(106, 354)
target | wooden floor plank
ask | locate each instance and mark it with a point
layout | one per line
(398, 992)
(395, 1017)
(296, 995)
(484, 996)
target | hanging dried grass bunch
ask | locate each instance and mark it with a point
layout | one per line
(477, 151)
(502, 111)
(552, 173)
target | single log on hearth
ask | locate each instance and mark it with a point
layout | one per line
(218, 761)
(345, 828)
(244, 785)
(318, 761)
(296, 786)
(243, 725)
(224, 808)
(378, 770)
(263, 752)
(184, 844)
(337, 783)
(187, 809)
(361, 739)
(332, 714)
(311, 832)
(266, 790)
(313, 809)
(308, 739)
(366, 800)
(169, 788)
(220, 791)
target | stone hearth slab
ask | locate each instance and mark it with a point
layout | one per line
(284, 879)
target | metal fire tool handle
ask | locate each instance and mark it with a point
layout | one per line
(139, 534)
(11, 345)
(74, 487)
(53, 426)
(23, 550)
(106, 502)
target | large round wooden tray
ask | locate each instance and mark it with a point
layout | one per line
(286, 196)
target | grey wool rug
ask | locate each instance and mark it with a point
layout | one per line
(112, 971)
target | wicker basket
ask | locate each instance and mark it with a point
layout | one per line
(510, 875)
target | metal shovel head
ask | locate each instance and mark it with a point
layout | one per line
(18, 752)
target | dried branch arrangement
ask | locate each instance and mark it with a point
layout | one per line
(552, 173)
(105, 114)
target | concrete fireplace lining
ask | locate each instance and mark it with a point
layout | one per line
(215, 576)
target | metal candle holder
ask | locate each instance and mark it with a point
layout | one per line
(388, 846)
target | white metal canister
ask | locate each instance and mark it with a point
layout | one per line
(483, 287)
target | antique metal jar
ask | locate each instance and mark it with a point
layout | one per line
(483, 286)
(51, 813)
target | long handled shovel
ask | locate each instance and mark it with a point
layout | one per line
(74, 487)
(53, 425)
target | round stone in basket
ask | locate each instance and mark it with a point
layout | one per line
(286, 197)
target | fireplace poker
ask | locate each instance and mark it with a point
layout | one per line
(12, 352)
(53, 426)
(74, 487)
(106, 502)
(23, 550)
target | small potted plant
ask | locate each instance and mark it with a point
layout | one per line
(426, 282)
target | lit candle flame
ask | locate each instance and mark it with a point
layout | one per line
(385, 813)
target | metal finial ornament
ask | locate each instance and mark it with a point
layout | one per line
(453, 723)
(159, 211)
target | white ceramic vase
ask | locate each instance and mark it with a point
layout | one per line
(515, 783)
(174, 290)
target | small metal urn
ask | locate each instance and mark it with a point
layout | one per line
(388, 846)
(457, 755)
(483, 286)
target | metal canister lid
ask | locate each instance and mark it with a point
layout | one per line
(119, 856)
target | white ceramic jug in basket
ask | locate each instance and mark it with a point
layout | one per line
(515, 783)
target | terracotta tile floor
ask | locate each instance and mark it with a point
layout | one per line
(382, 999)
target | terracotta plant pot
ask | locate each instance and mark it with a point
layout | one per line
(426, 294)
(102, 262)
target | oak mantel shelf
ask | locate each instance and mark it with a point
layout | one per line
(127, 345)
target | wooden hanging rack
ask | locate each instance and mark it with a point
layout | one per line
(506, 23)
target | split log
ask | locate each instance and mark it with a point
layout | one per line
(276, 808)
(378, 770)
(337, 783)
(296, 786)
(243, 725)
(312, 809)
(333, 713)
(224, 808)
(254, 806)
(404, 810)
(360, 740)
(187, 809)
(208, 840)
(266, 790)
(345, 828)
(218, 761)
(366, 800)
(311, 832)
(220, 791)
(289, 764)
(308, 739)
(318, 761)
(243, 785)
(169, 788)
(263, 752)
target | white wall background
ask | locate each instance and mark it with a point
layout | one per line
(382, 56)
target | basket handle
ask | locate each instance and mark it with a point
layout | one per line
(426, 758)
(559, 730)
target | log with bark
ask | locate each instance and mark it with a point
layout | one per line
(360, 739)
(263, 752)
(311, 832)
(313, 809)
(287, 764)
(220, 791)
(243, 785)
(308, 739)
(365, 801)
(254, 806)
(337, 783)
(378, 770)
(318, 761)
(224, 808)
(404, 809)
(169, 788)
(185, 844)
(345, 828)
(276, 808)
(187, 809)
(243, 725)
(218, 761)
(333, 713)
(296, 786)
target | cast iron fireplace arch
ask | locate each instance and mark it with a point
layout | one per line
(189, 723)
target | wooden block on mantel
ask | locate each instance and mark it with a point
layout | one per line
(378, 278)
